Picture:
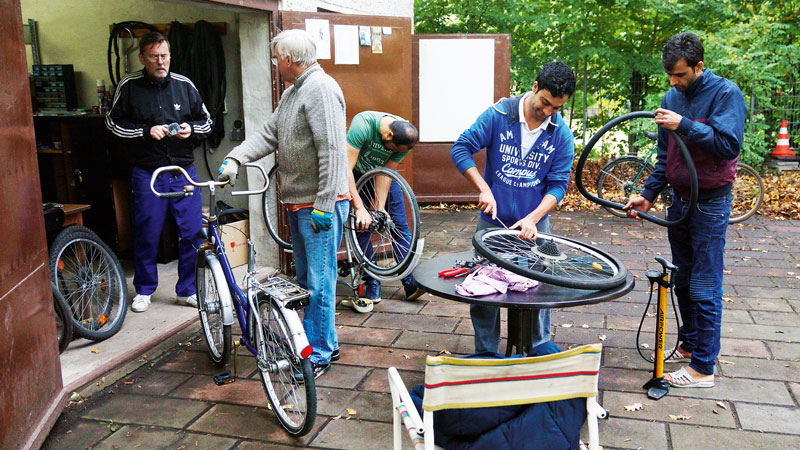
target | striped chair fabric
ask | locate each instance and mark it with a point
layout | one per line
(482, 382)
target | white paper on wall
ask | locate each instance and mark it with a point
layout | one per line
(345, 44)
(320, 31)
(456, 83)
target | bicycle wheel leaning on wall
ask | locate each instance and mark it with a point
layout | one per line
(89, 277)
(748, 193)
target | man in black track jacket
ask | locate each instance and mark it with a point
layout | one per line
(160, 116)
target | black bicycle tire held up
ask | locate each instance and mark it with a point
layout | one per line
(693, 190)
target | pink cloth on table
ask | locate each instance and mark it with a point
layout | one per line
(493, 280)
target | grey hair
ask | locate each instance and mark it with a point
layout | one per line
(295, 43)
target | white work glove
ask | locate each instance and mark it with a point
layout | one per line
(228, 171)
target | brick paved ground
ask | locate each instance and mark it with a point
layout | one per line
(166, 399)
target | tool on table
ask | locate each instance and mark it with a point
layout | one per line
(454, 272)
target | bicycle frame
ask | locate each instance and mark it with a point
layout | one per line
(243, 303)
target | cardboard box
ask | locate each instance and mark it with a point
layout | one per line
(234, 236)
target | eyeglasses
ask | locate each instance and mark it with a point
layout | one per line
(155, 58)
(274, 61)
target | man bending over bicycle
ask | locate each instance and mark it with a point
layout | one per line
(378, 139)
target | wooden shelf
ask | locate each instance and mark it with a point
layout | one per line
(163, 28)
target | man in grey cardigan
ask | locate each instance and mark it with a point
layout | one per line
(308, 131)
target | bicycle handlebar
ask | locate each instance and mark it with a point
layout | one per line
(693, 190)
(189, 190)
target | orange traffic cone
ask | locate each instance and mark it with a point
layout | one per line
(782, 149)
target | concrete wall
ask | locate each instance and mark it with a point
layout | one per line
(399, 8)
(76, 32)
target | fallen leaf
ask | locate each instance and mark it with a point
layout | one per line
(722, 405)
(338, 314)
(351, 411)
(722, 361)
(406, 356)
(715, 411)
(633, 407)
(645, 345)
(680, 417)
(584, 326)
(567, 325)
(444, 352)
(602, 337)
(727, 299)
(95, 350)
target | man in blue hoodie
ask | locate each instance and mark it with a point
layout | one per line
(707, 112)
(529, 153)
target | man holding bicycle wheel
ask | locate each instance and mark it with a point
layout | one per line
(378, 139)
(308, 131)
(529, 153)
(707, 112)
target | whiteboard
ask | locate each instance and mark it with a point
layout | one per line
(456, 84)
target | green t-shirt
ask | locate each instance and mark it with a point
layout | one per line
(364, 134)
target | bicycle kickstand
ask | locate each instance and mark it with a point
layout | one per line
(658, 387)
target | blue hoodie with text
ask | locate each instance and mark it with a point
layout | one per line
(518, 184)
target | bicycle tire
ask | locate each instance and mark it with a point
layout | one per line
(687, 157)
(296, 413)
(552, 259)
(748, 193)
(63, 323)
(218, 336)
(272, 225)
(382, 232)
(90, 278)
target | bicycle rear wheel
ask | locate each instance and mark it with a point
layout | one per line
(294, 402)
(392, 242)
(89, 277)
(209, 279)
(271, 220)
(551, 259)
(63, 322)
(748, 193)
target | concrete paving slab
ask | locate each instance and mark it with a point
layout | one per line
(351, 434)
(691, 436)
(147, 410)
(769, 418)
(617, 432)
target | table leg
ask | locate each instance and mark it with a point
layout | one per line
(520, 334)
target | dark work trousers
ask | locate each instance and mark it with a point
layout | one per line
(149, 214)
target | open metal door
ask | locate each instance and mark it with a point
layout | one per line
(31, 395)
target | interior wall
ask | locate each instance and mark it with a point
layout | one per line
(76, 32)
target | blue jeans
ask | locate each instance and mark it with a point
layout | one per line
(486, 319)
(149, 213)
(698, 249)
(315, 262)
(401, 236)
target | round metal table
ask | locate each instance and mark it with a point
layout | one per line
(521, 305)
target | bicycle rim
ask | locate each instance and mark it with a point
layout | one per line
(748, 193)
(392, 243)
(271, 219)
(89, 278)
(209, 306)
(551, 259)
(293, 402)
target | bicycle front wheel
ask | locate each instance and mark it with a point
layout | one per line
(89, 277)
(748, 193)
(551, 259)
(387, 248)
(209, 279)
(293, 401)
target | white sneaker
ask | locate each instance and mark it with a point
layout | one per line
(188, 301)
(140, 303)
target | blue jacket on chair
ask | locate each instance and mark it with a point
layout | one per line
(550, 425)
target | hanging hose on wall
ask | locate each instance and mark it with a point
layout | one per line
(113, 44)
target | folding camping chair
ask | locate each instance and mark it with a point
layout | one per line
(482, 382)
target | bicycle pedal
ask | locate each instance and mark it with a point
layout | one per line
(224, 378)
